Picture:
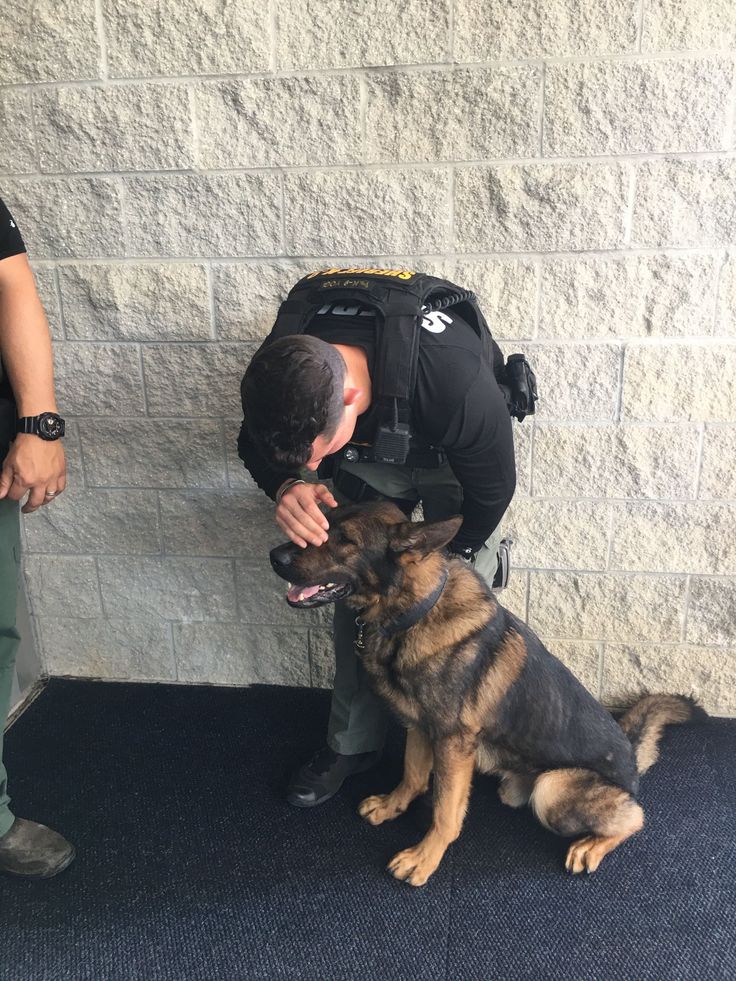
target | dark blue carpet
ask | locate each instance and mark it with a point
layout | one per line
(191, 866)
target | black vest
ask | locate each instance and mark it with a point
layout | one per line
(399, 298)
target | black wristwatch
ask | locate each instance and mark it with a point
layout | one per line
(48, 425)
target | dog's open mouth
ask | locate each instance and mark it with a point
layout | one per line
(329, 592)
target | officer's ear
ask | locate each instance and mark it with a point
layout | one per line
(415, 539)
(351, 395)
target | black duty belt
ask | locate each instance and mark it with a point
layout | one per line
(418, 457)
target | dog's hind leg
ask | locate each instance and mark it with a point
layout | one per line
(453, 772)
(580, 802)
(515, 789)
(417, 768)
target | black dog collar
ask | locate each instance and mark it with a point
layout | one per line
(407, 619)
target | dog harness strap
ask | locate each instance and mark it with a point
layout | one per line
(415, 614)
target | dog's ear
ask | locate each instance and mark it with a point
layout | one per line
(423, 537)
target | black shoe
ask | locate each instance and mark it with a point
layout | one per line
(503, 569)
(324, 774)
(34, 851)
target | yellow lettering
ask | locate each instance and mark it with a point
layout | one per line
(353, 271)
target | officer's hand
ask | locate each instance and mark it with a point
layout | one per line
(298, 514)
(35, 467)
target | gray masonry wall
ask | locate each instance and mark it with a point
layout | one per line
(175, 164)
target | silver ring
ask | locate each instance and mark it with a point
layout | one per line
(50, 494)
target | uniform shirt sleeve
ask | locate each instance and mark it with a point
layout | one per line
(268, 478)
(480, 449)
(11, 241)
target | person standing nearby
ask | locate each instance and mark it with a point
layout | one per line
(31, 467)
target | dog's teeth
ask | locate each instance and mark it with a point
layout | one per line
(329, 584)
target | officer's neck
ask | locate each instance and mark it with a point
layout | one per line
(357, 375)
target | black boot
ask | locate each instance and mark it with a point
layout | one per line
(34, 851)
(324, 774)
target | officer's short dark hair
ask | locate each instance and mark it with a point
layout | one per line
(292, 392)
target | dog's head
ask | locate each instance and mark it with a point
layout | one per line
(366, 555)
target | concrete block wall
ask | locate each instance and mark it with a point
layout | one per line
(175, 164)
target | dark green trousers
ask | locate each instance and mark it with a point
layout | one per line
(358, 720)
(9, 636)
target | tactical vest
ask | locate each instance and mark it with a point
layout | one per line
(399, 298)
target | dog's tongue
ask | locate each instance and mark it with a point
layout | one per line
(301, 592)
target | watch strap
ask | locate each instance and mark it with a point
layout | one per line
(28, 424)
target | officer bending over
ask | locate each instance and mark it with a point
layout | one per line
(388, 382)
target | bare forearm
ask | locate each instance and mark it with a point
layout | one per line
(25, 342)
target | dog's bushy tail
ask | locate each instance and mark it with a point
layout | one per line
(644, 721)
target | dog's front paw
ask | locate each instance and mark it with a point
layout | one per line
(379, 808)
(413, 865)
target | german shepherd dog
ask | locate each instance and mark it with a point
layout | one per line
(476, 689)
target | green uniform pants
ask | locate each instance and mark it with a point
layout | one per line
(358, 720)
(9, 636)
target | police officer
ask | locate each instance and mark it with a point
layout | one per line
(309, 402)
(32, 467)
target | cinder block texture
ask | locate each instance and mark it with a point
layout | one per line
(726, 311)
(18, 145)
(99, 379)
(598, 607)
(578, 381)
(489, 31)
(75, 217)
(606, 107)
(457, 115)
(540, 207)
(193, 215)
(45, 278)
(271, 122)
(670, 25)
(708, 673)
(684, 203)
(96, 522)
(339, 213)
(175, 166)
(48, 41)
(186, 37)
(644, 296)
(712, 612)
(680, 382)
(63, 586)
(194, 379)
(239, 654)
(167, 588)
(697, 538)
(506, 291)
(558, 535)
(131, 127)
(247, 296)
(718, 475)
(136, 302)
(656, 462)
(114, 649)
(161, 453)
(333, 34)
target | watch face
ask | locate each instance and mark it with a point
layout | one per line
(50, 426)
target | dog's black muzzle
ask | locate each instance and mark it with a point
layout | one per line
(282, 557)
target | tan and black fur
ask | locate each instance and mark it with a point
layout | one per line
(476, 689)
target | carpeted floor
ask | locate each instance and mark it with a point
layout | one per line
(191, 866)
